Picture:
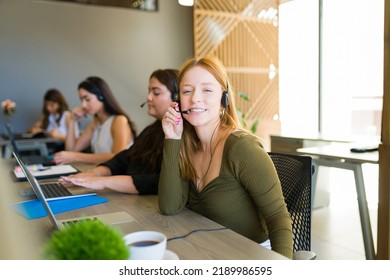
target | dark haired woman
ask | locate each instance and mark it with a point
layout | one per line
(137, 169)
(109, 132)
(55, 117)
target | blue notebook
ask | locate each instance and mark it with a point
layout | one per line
(33, 209)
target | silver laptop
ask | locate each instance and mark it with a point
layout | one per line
(51, 190)
(32, 159)
(120, 219)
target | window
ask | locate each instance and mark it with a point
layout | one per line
(331, 77)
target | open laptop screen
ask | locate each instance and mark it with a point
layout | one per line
(30, 159)
(36, 188)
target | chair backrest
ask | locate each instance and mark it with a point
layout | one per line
(295, 175)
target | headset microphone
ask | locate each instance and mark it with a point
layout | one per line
(143, 104)
(187, 112)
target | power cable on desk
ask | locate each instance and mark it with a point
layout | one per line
(195, 230)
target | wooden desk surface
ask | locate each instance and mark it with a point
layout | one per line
(309, 137)
(202, 245)
(338, 151)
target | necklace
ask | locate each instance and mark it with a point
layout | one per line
(211, 155)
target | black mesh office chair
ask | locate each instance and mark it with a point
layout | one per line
(295, 175)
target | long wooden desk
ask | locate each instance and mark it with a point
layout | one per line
(290, 143)
(202, 245)
(339, 156)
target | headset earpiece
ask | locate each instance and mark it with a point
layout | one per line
(95, 90)
(175, 93)
(175, 96)
(225, 97)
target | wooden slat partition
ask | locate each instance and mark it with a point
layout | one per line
(383, 247)
(248, 46)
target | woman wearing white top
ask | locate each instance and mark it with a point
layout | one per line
(55, 117)
(109, 132)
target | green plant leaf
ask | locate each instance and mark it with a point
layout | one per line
(241, 114)
(254, 126)
(243, 96)
(87, 240)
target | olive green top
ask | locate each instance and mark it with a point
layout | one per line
(246, 197)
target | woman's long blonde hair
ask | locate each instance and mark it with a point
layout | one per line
(229, 119)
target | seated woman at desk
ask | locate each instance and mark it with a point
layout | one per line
(55, 117)
(137, 169)
(215, 168)
(109, 132)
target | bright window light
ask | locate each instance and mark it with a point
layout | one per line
(186, 2)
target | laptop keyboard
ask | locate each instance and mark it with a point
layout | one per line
(73, 222)
(51, 190)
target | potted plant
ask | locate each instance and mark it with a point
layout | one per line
(241, 114)
(86, 240)
(8, 108)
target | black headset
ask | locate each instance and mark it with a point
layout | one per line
(95, 89)
(175, 93)
(225, 96)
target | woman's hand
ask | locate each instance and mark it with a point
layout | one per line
(34, 130)
(172, 122)
(87, 180)
(65, 157)
(55, 134)
(81, 175)
(78, 113)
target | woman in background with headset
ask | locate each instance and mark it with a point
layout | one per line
(215, 168)
(109, 132)
(137, 169)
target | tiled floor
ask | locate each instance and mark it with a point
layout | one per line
(336, 230)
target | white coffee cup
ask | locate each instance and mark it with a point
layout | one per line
(146, 245)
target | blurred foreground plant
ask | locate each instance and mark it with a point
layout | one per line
(86, 240)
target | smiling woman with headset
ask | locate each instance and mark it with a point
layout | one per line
(109, 132)
(215, 168)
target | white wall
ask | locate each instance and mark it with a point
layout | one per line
(45, 44)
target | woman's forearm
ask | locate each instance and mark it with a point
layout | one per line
(95, 158)
(120, 183)
(101, 171)
(70, 140)
(171, 195)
